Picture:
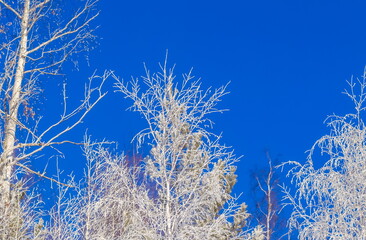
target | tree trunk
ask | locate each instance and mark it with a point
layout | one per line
(7, 156)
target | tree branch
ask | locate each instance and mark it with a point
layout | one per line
(62, 32)
(11, 9)
(43, 175)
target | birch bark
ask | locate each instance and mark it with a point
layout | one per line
(7, 157)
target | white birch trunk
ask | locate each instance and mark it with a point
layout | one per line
(7, 158)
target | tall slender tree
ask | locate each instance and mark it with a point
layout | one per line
(266, 193)
(35, 42)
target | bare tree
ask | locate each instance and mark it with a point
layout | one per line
(35, 43)
(192, 172)
(329, 202)
(112, 202)
(116, 202)
(267, 195)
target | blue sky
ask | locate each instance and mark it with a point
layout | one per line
(287, 61)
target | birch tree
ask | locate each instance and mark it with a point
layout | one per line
(35, 42)
(266, 192)
(329, 202)
(192, 173)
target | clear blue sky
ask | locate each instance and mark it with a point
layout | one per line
(287, 60)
